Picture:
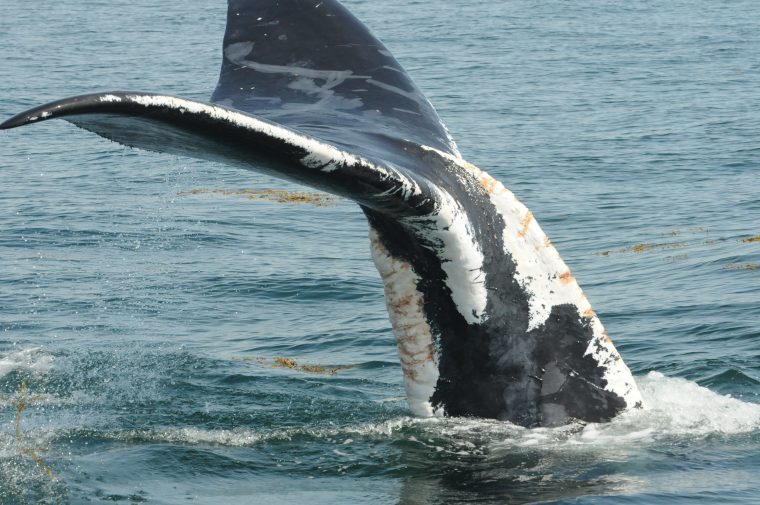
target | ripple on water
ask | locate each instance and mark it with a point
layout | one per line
(634, 135)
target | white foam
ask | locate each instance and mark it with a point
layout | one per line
(678, 409)
(679, 406)
(32, 359)
(240, 437)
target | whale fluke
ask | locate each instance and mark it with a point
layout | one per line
(488, 319)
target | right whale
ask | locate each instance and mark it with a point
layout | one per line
(488, 319)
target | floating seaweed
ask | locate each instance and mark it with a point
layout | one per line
(292, 364)
(659, 246)
(741, 266)
(273, 195)
(21, 403)
(649, 246)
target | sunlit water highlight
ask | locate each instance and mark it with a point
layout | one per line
(143, 298)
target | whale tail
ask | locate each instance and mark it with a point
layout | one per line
(489, 322)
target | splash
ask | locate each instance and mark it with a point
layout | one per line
(676, 409)
(32, 359)
(682, 407)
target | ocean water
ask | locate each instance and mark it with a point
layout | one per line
(157, 314)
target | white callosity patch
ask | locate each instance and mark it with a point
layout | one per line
(414, 337)
(541, 272)
(448, 232)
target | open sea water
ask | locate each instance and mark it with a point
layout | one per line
(164, 321)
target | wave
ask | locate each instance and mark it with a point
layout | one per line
(675, 408)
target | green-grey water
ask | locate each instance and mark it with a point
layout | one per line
(145, 298)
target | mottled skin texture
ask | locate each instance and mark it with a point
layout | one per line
(311, 67)
(497, 369)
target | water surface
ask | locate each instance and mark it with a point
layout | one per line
(143, 317)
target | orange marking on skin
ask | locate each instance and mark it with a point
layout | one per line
(547, 242)
(469, 166)
(410, 364)
(407, 334)
(525, 223)
(566, 277)
(402, 303)
(488, 182)
(589, 313)
(410, 373)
